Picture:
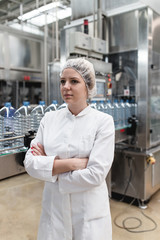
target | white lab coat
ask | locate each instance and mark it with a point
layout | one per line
(75, 204)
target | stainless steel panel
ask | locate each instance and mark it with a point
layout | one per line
(154, 4)
(11, 165)
(154, 81)
(156, 32)
(24, 53)
(123, 32)
(132, 176)
(143, 101)
(156, 170)
(113, 4)
(1, 51)
(80, 10)
(101, 66)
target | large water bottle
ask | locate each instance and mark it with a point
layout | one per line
(127, 112)
(105, 107)
(116, 114)
(36, 115)
(52, 107)
(93, 104)
(100, 106)
(110, 108)
(6, 126)
(22, 122)
(133, 108)
(63, 105)
(122, 114)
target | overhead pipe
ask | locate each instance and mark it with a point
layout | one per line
(99, 19)
(37, 3)
(94, 25)
(14, 1)
(57, 36)
(45, 59)
(21, 13)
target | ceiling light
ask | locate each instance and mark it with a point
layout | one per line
(51, 17)
(38, 11)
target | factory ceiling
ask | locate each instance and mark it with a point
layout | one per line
(12, 9)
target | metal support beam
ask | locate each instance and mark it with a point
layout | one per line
(3, 11)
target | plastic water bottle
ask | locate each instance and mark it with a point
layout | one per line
(6, 125)
(105, 107)
(52, 107)
(122, 114)
(63, 105)
(36, 115)
(100, 106)
(22, 122)
(127, 112)
(93, 104)
(133, 108)
(116, 114)
(110, 108)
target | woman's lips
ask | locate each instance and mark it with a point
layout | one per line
(67, 95)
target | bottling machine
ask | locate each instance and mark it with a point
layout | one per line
(125, 51)
(132, 52)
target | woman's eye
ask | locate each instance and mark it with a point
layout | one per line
(62, 82)
(74, 81)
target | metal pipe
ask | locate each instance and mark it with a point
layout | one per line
(45, 59)
(53, 54)
(94, 25)
(11, 138)
(99, 19)
(5, 149)
(57, 40)
(21, 13)
(37, 3)
(14, 1)
(3, 11)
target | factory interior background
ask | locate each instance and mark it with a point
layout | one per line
(122, 41)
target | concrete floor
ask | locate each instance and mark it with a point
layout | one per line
(20, 207)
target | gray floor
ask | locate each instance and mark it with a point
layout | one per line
(20, 206)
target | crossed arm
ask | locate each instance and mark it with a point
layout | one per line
(61, 165)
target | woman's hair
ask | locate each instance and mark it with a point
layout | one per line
(86, 70)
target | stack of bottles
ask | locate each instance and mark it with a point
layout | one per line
(52, 107)
(37, 114)
(6, 127)
(120, 111)
(22, 122)
(14, 124)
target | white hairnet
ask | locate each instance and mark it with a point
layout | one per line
(86, 70)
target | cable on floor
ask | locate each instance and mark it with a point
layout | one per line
(124, 222)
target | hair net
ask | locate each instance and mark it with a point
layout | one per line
(86, 70)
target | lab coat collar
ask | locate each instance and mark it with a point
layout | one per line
(82, 113)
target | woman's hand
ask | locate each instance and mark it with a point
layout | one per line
(38, 150)
(79, 163)
(69, 164)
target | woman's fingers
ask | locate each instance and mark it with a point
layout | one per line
(38, 149)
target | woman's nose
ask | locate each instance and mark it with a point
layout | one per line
(67, 85)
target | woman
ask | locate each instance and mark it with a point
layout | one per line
(73, 152)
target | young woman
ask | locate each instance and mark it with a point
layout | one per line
(73, 153)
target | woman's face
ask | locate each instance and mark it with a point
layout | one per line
(73, 88)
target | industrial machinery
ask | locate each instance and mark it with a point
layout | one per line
(21, 79)
(21, 67)
(124, 49)
(131, 56)
(134, 53)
